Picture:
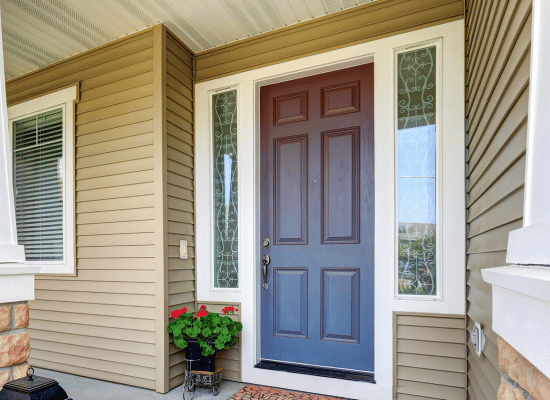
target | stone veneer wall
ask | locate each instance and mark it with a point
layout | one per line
(14, 341)
(520, 379)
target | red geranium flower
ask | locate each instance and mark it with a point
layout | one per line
(203, 307)
(202, 313)
(229, 310)
(177, 313)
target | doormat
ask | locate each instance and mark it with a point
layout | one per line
(252, 392)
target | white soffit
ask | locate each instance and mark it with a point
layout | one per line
(40, 32)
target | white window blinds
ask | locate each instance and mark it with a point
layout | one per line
(38, 185)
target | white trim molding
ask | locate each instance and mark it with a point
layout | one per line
(17, 282)
(521, 310)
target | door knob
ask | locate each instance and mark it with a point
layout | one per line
(266, 260)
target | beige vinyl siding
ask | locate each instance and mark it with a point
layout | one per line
(498, 38)
(101, 323)
(368, 22)
(180, 188)
(430, 356)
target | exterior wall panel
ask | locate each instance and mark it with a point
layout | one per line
(498, 37)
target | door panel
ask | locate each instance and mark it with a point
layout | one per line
(317, 210)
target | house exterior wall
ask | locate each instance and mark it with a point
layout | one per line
(371, 21)
(134, 202)
(498, 37)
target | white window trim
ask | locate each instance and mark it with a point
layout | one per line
(63, 99)
(438, 43)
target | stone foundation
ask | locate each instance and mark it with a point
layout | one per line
(521, 380)
(14, 341)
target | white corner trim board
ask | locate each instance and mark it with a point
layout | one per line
(521, 310)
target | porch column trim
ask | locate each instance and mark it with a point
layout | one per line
(529, 245)
(10, 251)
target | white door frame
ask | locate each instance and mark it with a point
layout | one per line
(382, 52)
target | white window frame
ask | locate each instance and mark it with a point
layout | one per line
(63, 99)
(210, 245)
(438, 44)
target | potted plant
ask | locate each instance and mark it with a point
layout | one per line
(202, 333)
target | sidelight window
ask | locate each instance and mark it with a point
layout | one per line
(417, 166)
(224, 128)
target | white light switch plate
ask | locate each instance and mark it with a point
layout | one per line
(183, 249)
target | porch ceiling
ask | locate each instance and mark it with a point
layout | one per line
(40, 32)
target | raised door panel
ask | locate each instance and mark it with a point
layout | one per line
(340, 221)
(290, 180)
(290, 311)
(340, 305)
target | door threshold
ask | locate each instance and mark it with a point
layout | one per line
(316, 371)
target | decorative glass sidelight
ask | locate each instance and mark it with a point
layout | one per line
(224, 120)
(416, 172)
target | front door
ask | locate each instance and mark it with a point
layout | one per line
(317, 212)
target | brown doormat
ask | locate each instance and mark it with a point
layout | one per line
(252, 392)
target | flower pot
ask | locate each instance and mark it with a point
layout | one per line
(193, 351)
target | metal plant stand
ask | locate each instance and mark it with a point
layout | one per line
(200, 378)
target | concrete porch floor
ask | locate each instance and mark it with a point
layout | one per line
(80, 388)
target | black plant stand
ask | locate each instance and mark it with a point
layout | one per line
(200, 378)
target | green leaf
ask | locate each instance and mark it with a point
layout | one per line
(180, 342)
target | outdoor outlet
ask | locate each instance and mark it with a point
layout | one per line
(478, 338)
(183, 249)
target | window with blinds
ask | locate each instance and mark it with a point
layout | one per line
(38, 176)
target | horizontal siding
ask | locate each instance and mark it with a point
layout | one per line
(430, 356)
(372, 21)
(101, 323)
(498, 39)
(180, 212)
